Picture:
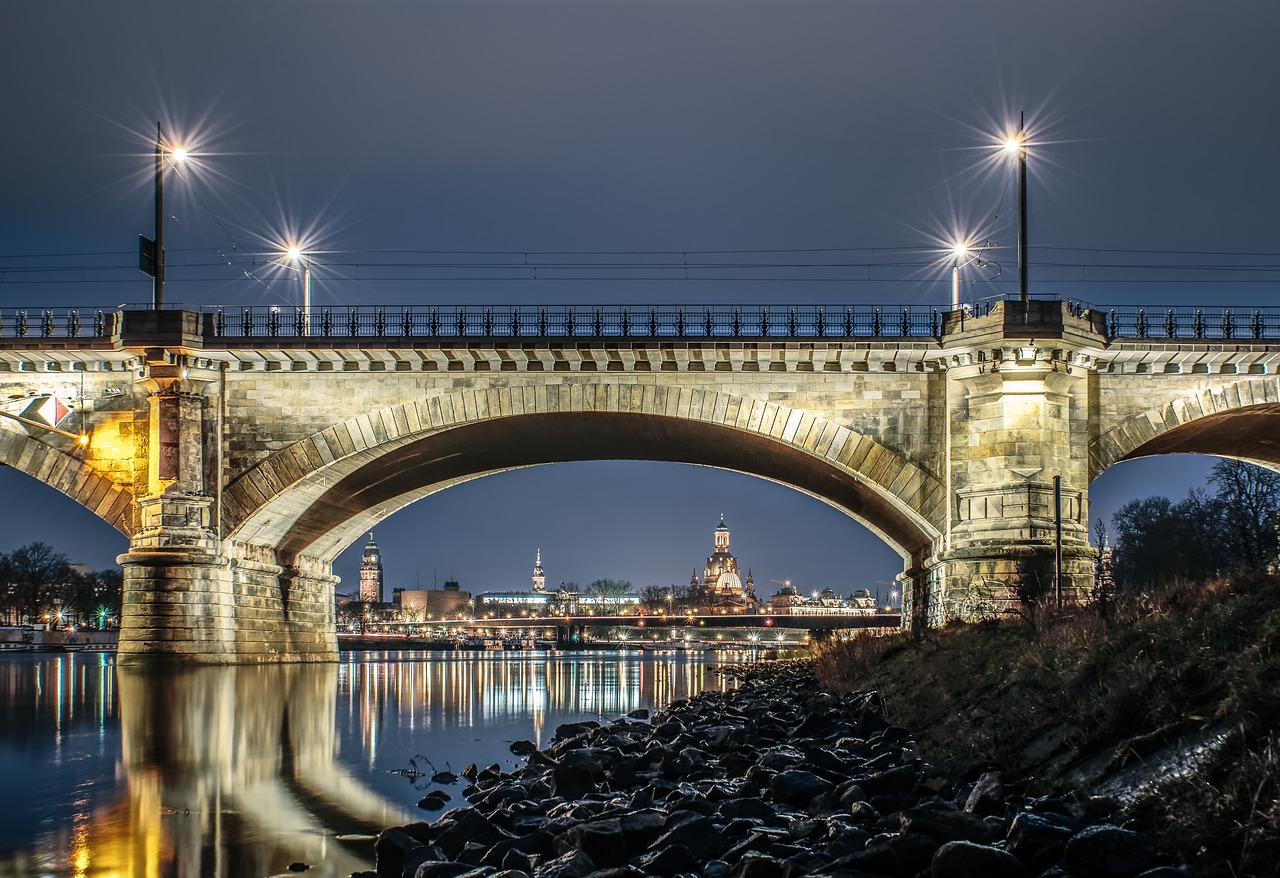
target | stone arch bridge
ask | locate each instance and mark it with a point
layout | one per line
(242, 450)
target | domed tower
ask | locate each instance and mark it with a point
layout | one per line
(722, 575)
(371, 573)
(539, 578)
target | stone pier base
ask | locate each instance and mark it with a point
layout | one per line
(986, 582)
(230, 607)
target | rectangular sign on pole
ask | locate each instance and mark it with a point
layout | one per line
(147, 255)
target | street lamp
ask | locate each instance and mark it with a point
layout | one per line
(151, 252)
(298, 256)
(959, 252)
(1016, 146)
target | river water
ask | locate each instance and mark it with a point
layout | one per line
(239, 772)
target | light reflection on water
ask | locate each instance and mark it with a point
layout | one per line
(238, 772)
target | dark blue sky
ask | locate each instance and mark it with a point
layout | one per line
(549, 129)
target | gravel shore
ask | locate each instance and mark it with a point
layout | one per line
(775, 779)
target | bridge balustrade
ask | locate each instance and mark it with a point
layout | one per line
(1194, 323)
(716, 322)
(56, 323)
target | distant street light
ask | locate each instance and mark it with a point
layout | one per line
(1016, 146)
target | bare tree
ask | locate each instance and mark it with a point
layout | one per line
(35, 572)
(1250, 497)
(607, 591)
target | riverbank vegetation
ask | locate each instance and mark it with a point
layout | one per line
(1160, 702)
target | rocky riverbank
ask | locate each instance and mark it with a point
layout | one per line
(775, 779)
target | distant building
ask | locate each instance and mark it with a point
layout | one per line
(425, 605)
(788, 602)
(722, 585)
(539, 577)
(540, 603)
(371, 573)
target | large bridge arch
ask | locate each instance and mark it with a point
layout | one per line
(317, 495)
(1241, 419)
(70, 475)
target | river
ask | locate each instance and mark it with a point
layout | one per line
(237, 772)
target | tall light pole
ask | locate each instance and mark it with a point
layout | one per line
(157, 283)
(151, 252)
(296, 254)
(959, 252)
(1016, 146)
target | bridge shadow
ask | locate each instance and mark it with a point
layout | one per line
(231, 771)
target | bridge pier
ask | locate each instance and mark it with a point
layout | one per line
(1018, 385)
(189, 595)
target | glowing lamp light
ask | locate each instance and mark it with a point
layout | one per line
(1013, 145)
(960, 250)
(294, 253)
(179, 154)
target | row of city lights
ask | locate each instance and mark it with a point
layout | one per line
(153, 259)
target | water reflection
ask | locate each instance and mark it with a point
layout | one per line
(238, 772)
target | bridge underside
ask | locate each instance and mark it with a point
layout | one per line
(1252, 433)
(391, 481)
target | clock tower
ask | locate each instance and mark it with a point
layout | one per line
(371, 573)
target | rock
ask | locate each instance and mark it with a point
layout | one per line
(668, 861)
(523, 748)
(798, 787)
(1106, 851)
(944, 826)
(298, 867)
(752, 806)
(1037, 839)
(640, 828)
(987, 795)
(758, 866)
(390, 848)
(571, 783)
(464, 825)
(602, 840)
(571, 865)
(963, 859)
(897, 855)
(697, 836)
(437, 869)
(891, 782)
(431, 803)
(639, 713)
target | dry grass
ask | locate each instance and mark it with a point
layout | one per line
(1077, 697)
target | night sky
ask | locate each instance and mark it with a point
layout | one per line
(634, 152)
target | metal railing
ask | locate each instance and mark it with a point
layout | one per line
(697, 322)
(87, 323)
(1193, 323)
(582, 322)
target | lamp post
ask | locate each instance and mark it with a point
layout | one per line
(959, 251)
(151, 251)
(296, 254)
(1016, 146)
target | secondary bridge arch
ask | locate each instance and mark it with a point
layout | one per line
(1241, 419)
(71, 475)
(368, 467)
